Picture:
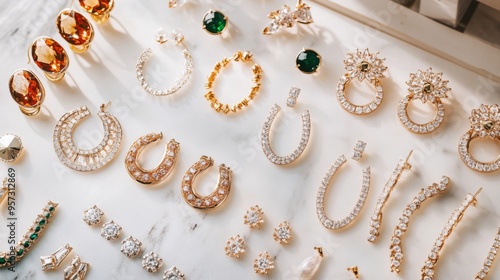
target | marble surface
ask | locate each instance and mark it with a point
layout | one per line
(194, 240)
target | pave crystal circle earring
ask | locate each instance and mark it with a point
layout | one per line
(308, 61)
(426, 86)
(490, 258)
(428, 270)
(286, 18)
(362, 65)
(162, 38)
(86, 160)
(376, 219)
(50, 57)
(320, 199)
(99, 10)
(306, 132)
(161, 171)
(27, 91)
(257, 76)
(396, 247)
(75, 29)
(218, 195)
(485, 122)
(11, 147)
(214, 22)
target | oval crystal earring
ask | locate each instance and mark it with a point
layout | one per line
(75, 29)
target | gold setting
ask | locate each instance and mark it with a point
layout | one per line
(283, 233)
(235, 246)
(263, 263)
(254, 217)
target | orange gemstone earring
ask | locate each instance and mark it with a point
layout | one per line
(27, 91)
(75, 29)
(49, 56)
(98, 9)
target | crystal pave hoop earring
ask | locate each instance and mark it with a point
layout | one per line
(362, 65)
(161, 38)
(320, 203)
(160, 172)
(217, 197)
(306, 132)
(86, 160)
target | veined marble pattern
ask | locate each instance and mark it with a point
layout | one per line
(192, 240)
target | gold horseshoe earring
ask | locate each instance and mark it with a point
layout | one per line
(160, 172)
(219, 194)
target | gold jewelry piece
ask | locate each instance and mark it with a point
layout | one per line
(354, 271)
(53, 261)
(93, 215)
(27, 91)
(265, 139)
(235, 246)
(399, 231)
(254, 217)
(75, 29)
(161, 38)
(31, 236)
(99, 10)
(485, 122)
(320, 203)
(173, 274)
(310, 265)
(362, 65)
(283, 233)
(160, 172)
(50, 57)
(293, 94)
(11, 147)
(357, 153)
(308, 61)
(111, 230)
(263, 263)
(4, 190)
(426, 86)
(217, 197)
(376, 219)
(152, 262)
(86, 160)
(456, 217)
(77, 270)
(285, 18)
(257, 76)
(214, 22)
(490, 258)
(175, 3)
(131, 247)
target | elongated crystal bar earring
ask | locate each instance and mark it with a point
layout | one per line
(490, 258)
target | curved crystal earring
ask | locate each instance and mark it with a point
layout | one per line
(490, 259)
(161, 37)
(306, 132)
(160, 172)
(320, 203)
(376, 219)
(217, 197)
(399, 231)
(455, 218)
(92, 159)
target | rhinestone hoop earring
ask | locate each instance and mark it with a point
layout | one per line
(160, 172)
(86, 160)
(306, 132)
(161, 38)
(320, 203)
(362, 65)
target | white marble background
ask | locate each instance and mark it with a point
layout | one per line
(194, 240)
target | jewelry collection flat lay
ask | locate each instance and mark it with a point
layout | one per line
(50, 57)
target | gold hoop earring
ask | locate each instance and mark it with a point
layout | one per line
(75, 29)
(426, 86)
(485, 122)
(362, 65)
(160, 172)
(86, 160)
(50, 57)
(257, 76)
(490, 259)
(217, 197)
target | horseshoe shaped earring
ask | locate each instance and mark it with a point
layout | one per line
(306, 132)
(218, 195)
(160, 172)
(92, 159)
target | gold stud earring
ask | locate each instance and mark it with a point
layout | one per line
(235, 246)
(263, 263)
(50, 57)
(214, 22)
(27, 91)
(308, 61)
(75, 29)
(11, 147)
(283, 233)
(99, 10)
(254, 217)
(93, 215)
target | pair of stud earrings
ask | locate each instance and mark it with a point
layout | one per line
(76, 270)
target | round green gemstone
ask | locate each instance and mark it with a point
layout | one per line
(3, 260)
(308, 61)
(26, 244)
(42, 222)
(20, 252)
(37, 229)
(33, 236)
(47, 215)
(214, 22)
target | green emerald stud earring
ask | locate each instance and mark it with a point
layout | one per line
(214, 22)
(308, 61)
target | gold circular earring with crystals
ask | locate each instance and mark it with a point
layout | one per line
(485, 122)
(92, 159)
(257, 76)
(362, 65)
(161, 37)
(99, 10)
(50, 57)
(75, 29)
(218, 195)
(426, 86)
(160, 172)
